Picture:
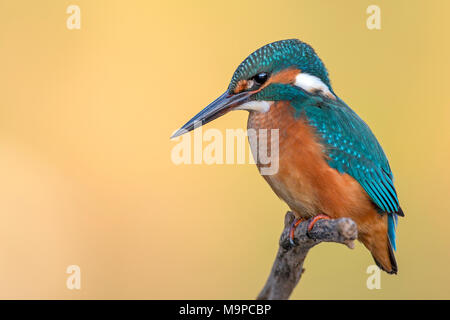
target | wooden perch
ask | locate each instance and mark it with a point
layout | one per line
(287, 268)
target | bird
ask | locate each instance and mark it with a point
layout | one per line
(331, 165)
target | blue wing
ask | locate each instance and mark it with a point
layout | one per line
(352, 148)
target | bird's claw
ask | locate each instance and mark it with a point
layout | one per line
(294, 226)
(313, 222)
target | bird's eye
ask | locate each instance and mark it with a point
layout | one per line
(260, 78)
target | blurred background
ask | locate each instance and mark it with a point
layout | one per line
(86, 176)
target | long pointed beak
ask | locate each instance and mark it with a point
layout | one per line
(214, 110)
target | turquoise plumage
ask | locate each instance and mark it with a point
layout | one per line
(352, 148)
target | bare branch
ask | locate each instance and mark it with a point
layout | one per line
(287, 268)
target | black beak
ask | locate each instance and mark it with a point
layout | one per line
(214, 110)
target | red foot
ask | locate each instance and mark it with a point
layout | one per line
(315, 219)
(292, 230)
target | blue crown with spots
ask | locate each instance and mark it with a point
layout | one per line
(280, 55)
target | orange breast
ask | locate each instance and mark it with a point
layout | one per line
(304, 180)
(310, 186)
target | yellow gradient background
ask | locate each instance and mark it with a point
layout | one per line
(86, 176)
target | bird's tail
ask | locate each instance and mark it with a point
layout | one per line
(381, 243)
(388, 255)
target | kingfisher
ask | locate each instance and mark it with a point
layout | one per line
(331, 165)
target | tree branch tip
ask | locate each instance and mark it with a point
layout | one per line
(348, 229)
(350, 244)
(289, 218)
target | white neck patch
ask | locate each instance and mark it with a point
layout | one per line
(312, 84)
(258, 106)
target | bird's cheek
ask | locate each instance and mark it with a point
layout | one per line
(255, 105)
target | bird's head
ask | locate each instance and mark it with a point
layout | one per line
(277, 71)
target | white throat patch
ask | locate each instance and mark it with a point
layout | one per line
(259, 106)
(312, 84)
